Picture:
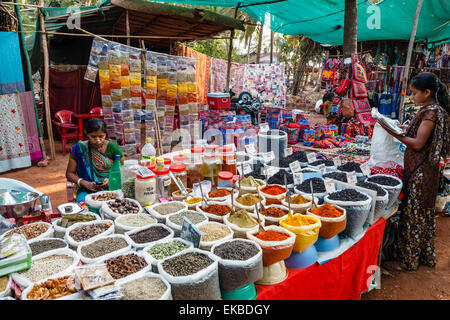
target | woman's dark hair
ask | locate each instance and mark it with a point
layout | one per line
(329, 96)
(95, 124)
(428, 80)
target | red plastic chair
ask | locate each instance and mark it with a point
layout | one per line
(96, 110)
(67, 129)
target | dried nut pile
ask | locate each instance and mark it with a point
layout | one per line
(30, 231)
(123, 266)
(53, 289)
(88, 231)
(145, 288)
(103, 246)
(105, 196)
(45, 267)
(123, 206)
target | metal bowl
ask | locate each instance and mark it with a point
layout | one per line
(17, 204)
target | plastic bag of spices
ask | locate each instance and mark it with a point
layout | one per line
(35, 230)
(60, 232)
(176, 245)
(92, 199)
(77, 295)
(241, 232)
(78, 231)
(7, 290)
(274, 251)
(113, 213)
(266, 191)
(130, 222)
(123, 265)
(224, 198)
(307, 230)
(269, 219)
(381, 200)
(102, 244)
(393, 186)
(240, 263)
(143, 290)
(142, 237)
(175, 220)
(219, 207)
(331, 226)
(193, 274)
(212, 233)
(160, 211)
(300, 207)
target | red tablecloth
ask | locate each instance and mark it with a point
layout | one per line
(344, 277)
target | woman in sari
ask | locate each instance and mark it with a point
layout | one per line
(426, 140)
(90, 160)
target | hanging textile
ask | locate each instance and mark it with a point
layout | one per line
(269, 77)
(219, 76)
(14, 151)
(202, 69)
(11, 73)
(29, 115)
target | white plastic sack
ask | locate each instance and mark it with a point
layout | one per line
(122, 228)
(239, 232)
(381, 203)
(147, 268)
(245, 190)
(109, 214)
(47, 234)
(225, 198)
(7, 291)
(271, 220)
(97, 204)
(384, 147)
(269, 196)
(87, 260)
(57, 239)
(153, 260)
(301, 207)
(73, 244)
(74, 296)
(206, 245)
(176, 227)
(167, 295)
(213, 217)
(143, 245)
(393, 191)
(162, 217)
(60, 232)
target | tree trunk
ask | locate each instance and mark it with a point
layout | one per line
(319, 79)
(258, 53)
(249, 47)
(271, 46)
(350, 28)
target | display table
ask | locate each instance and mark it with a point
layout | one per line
(342, 278)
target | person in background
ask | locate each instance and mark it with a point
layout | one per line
(324, 104)
(426, 139)
(90, 160)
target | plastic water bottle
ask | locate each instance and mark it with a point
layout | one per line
(148, 151)
(115, 182)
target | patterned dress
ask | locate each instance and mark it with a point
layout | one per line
(417, 224)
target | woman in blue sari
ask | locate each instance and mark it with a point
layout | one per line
(90, 160)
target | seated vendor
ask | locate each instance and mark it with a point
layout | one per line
(323, 105)
(90, 160)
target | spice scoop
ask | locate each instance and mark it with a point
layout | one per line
(261, 228)
(179, 184)
(203, 196)
(288, 196)
(232, 200)
(313, 203)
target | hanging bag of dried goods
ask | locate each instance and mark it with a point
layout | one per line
(95, 200)
(160, 250)
(130, 222)
(357, 206)
(299, 203)
(305, 228)
(393, 186)
(5, 286)
(147, 286)
(52, 264)
(142, 237)
(55, 288)
(115, 208)
(60, 225)
(273, 213)
(276, 243)
(160, 211)
(175, 220)
(82, 232)
(242, 222)
(272, 191)
(123, 265)
(333, 219)
(215, 210)
(240, 263)
(212, 233)
(36, 230)
(381, 200)
(103, 248)
(193, 275)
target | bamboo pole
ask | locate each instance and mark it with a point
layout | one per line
(404, 86)
(46, 84)
(127, 26)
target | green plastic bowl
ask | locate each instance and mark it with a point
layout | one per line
(94, 210)
(247, 292)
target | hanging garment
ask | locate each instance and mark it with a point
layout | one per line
(385, 103)
(202, 71)
(11, 73)
(29, 114)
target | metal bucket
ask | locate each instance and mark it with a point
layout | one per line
(17, 204)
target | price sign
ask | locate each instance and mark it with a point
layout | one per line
(365, 168)
(298, 177)
(337, 162)
(295, 166)
(270, 171)
(247, 169)
(288, 152)
(206, 187)
(264, 127)
(322, 168)
(145, 172)
(190, 233)
(329, 186)
(351, 177)
(268, 156)
(251, 148)
(311, 157)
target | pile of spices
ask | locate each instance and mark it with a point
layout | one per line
(168, 208)
(273, 190)
(248, 199)
(278, 178)
(123, 206)
(384, 180)
(242, 219)
(219, 193)
(3, 283)
(45, 267)
(328, 211)
(53, 289)
(271, 235)
(336, 175)
(213, 231)
(46, 245)
(88, 231)
(103, 246)
(236, 250)
(256, 173)
(136, 220)
(123, 266)
(145, 288)
(381, 192)
(272, 201)
(164, 250)
(317, 183)
(149, 235)
(217, 209)
(192, 216)
(186, 264)
(299, 156)
(105, 196)
(350, 166)
(68, 220)
(30, 231)
(298, 220)
(298, 199)
(250, 182)
(193, 200)
(328, 163)
(274, 212)
(348, 195)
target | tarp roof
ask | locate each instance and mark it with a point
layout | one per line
(323, 20)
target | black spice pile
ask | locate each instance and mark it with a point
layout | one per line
(341, 176)
(46, 245)
(385, 181)
(150, 234)
(350, 166)
(186, 264)
(318, 185)
(278, 178)
(372, 186)
(236, 250)
(348, 195)
(328, 163)
(256, 173)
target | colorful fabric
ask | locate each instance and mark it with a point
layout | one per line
(34, 145)
(219, 76)
(11, 72)
(14, 151)
(202, 69)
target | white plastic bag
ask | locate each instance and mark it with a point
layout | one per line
(109, 214)
(7, 291)
(213, 217)
(73, 244)
(225, 198)
(177, 227)
(268, 221)
(239, 232)
(153, 260)
(143, 245)
(394, 191)
(87, 260)
(167, 295)
(145, 269)
(57, 239)
(245, 190)
(97, 204)
(301, 207)
(74, 296)
(162, 217)
(270, 196)
(60, 232)
(384, 147)
(122, 228)
(206, 245)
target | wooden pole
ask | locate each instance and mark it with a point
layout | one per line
(46, 84)
(408, 61)
(258, 51)
(249, 48)
(127, 26)
(271, 46)
(230, 52)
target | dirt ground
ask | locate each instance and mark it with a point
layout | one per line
(425, 284)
